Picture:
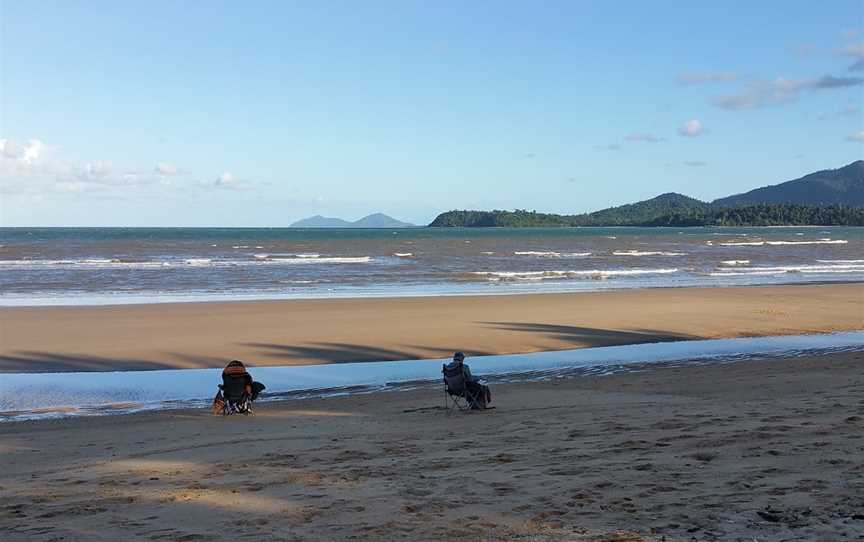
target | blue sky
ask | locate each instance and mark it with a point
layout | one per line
(260, 113)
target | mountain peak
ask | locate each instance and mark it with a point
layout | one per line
(375, 220)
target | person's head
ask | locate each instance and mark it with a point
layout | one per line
(459, 357)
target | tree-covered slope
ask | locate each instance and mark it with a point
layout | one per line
(843, 186)
(648, 210)
(830, 197)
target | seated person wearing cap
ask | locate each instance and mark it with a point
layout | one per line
(481, 391)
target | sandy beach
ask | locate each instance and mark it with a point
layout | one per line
(194, 335)
(755, 450)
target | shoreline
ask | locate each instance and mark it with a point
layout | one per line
(299, 332)
(125, 392)
(752, 449)
(253, 298)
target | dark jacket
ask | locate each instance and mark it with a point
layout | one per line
(455, 364)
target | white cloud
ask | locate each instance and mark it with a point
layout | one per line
(34, 168)
(697, 78)
(857, 137)
(691, 128)
(695, 163)
(97, 170)
(33, 151)
(642, 137)
(28, 153)
(781, 90)
(11, 149)
(166, 168)
(227, 181)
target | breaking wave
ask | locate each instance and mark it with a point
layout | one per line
(780, 270)
(550, 254)
(779, 243)
(105, 263)
(646, 253)
(564, 274)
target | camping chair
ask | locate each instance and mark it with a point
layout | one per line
(236, 399)
(457, 392)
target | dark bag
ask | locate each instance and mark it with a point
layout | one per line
(257, 388)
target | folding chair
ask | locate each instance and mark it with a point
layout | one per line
(456, 390)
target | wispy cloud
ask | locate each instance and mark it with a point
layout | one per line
(642, 137)
(805, 49)
(691, 128)
(850, 111)
(856, 51)
(857, 137)
(698, 78)
(780, 91)
(609, 147)
(695, 163)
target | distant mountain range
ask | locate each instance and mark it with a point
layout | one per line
(376, 220)
(830, 197)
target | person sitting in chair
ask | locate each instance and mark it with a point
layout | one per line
(237, 390)
(481, 391)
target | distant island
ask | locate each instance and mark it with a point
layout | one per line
(824, 198)
(376, 220)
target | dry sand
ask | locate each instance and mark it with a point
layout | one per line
(755, 450)
(326, 331)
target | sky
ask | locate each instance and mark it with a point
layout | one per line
(209, 113)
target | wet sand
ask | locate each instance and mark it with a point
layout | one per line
(754, 450)
(194, 335)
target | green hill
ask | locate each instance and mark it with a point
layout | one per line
(826, 198)
(843, 186)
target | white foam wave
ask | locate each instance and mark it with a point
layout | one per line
(841, 261)
(551, 254)
(735, 262)
(106, 263)
(780, 270)
(558, 274)
(319, 260)
(536, 253)
(646, 253)
(94, 263)
(403, 254)
(780, 243)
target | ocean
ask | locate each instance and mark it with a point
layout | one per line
(85, 266)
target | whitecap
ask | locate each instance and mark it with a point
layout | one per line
(319, 260)
(645, 253)
(558, 274)
(536, 253)
(781, 270)
(781, 243)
